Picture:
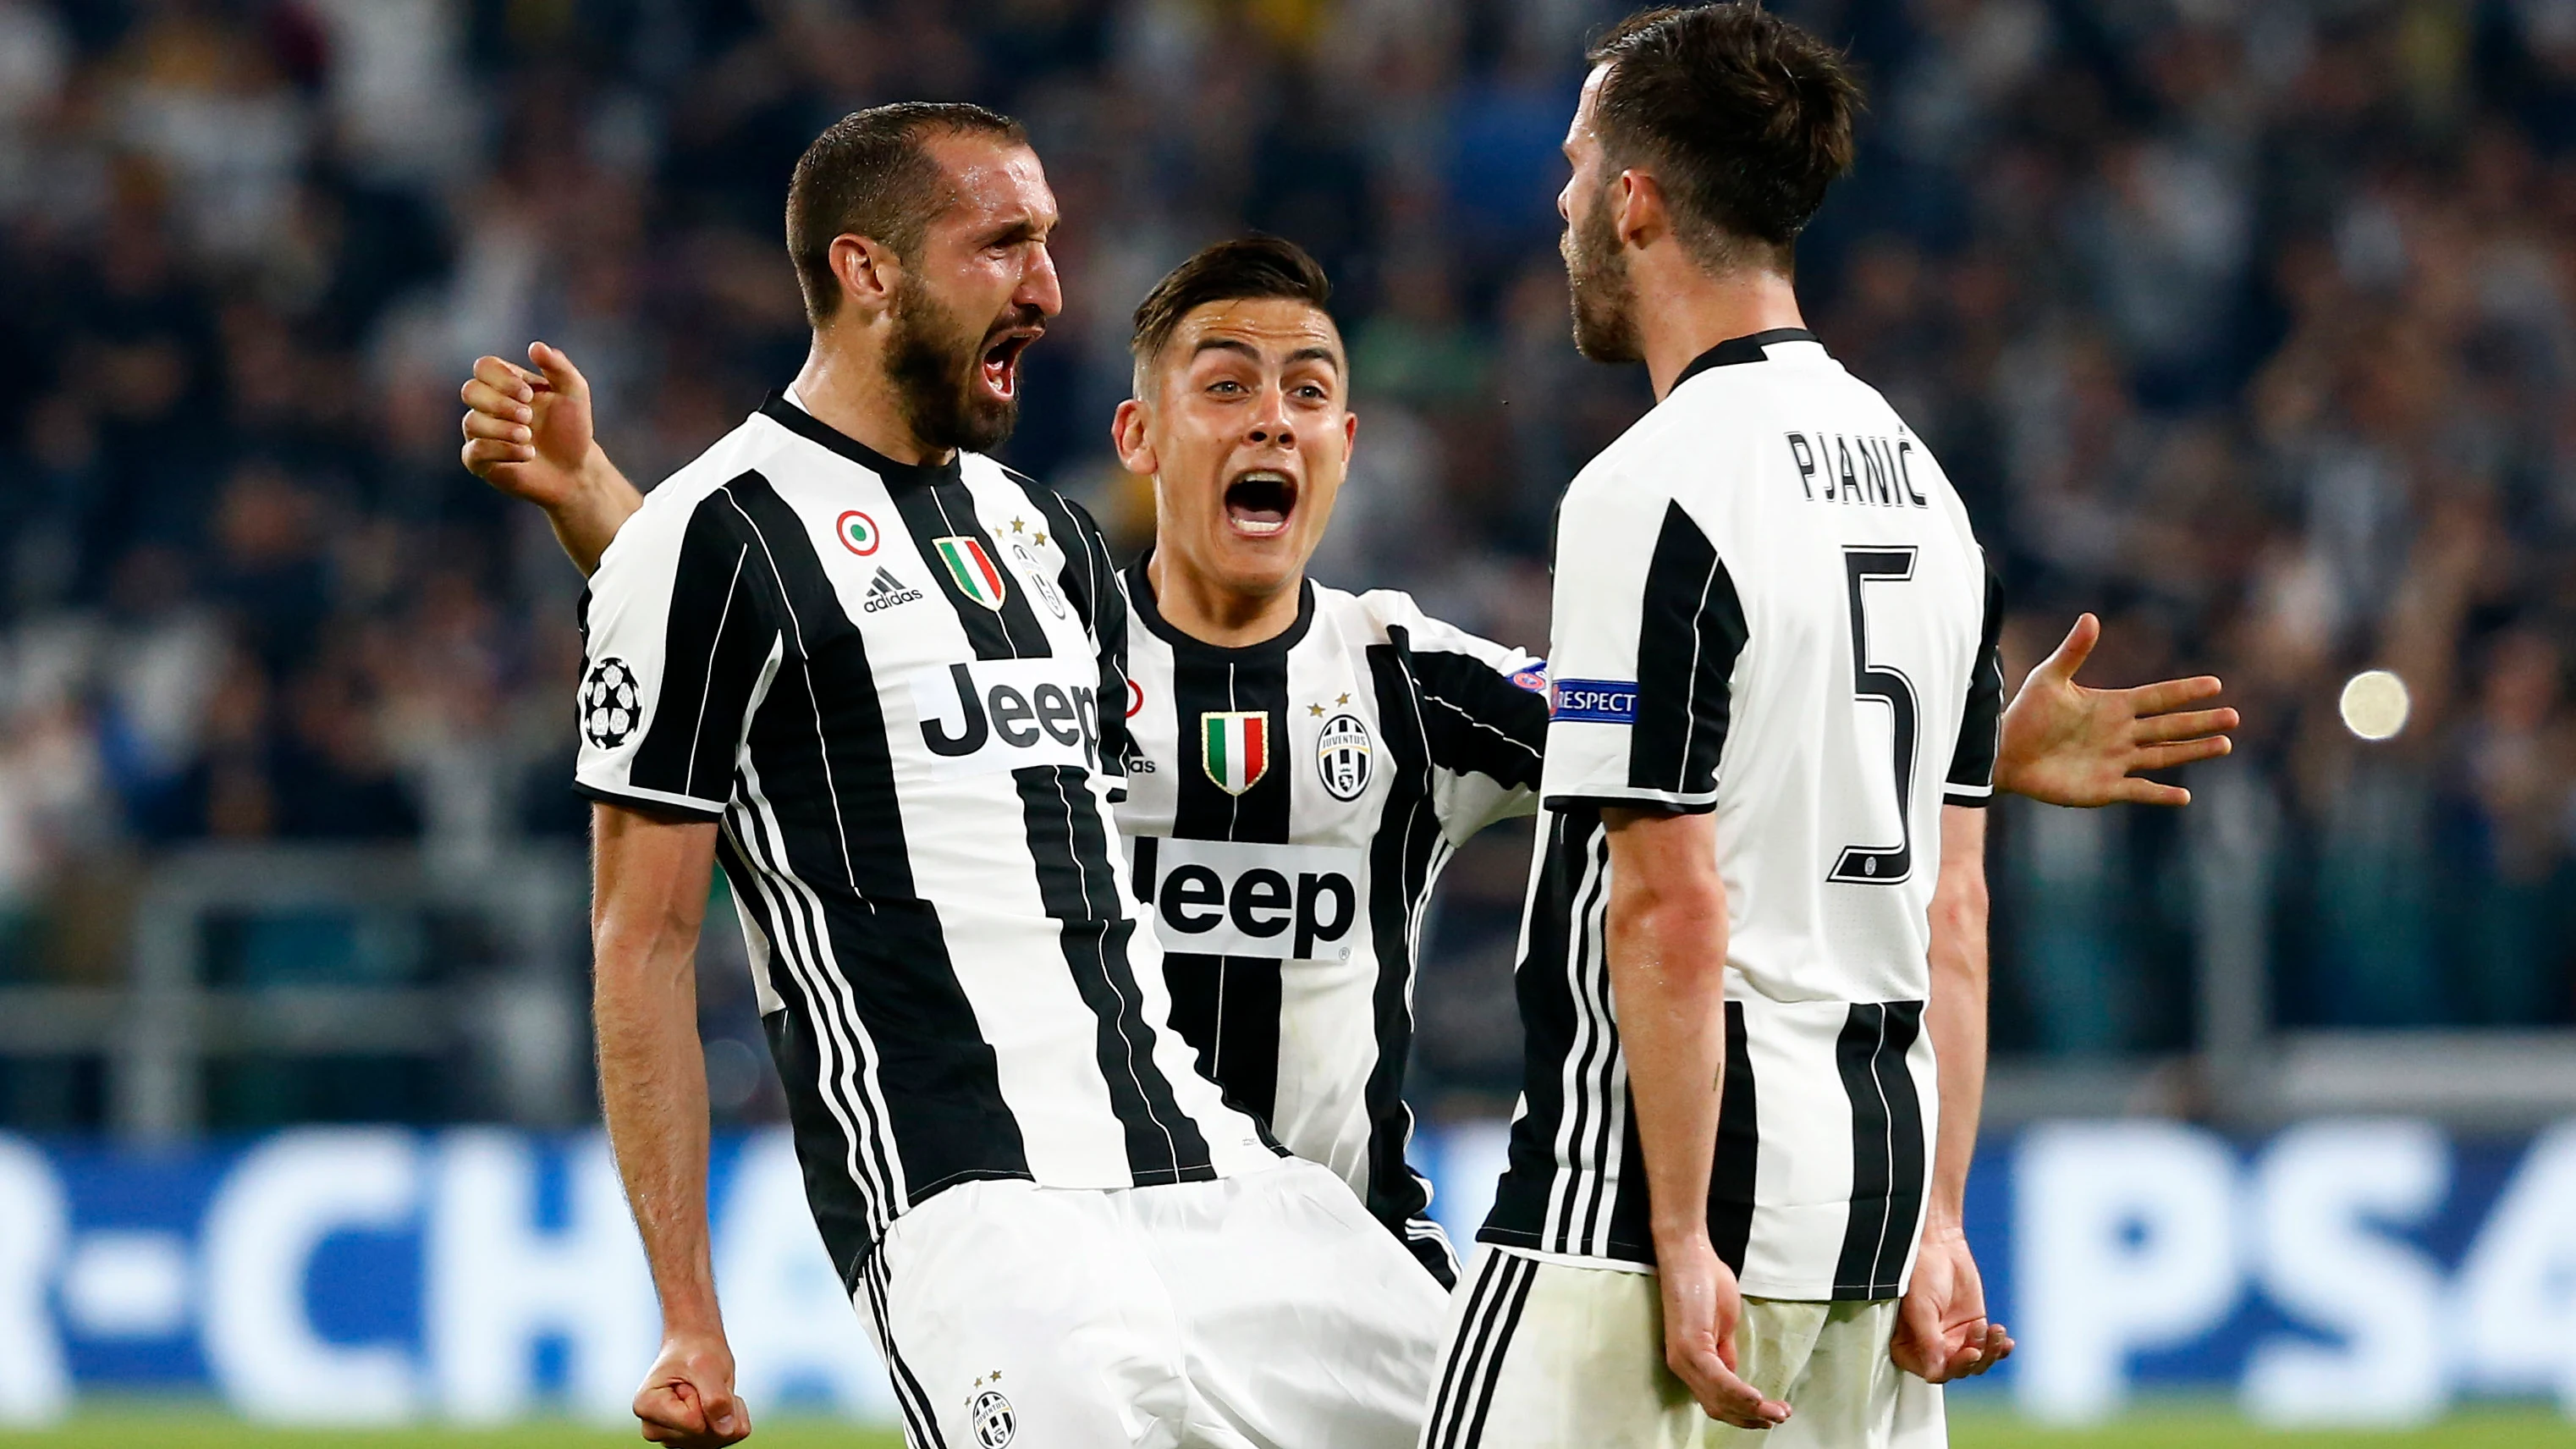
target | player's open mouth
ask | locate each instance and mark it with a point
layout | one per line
(1001, 360)
(1258, 502)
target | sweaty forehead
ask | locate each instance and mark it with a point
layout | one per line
(990, 179)
(1586, 106)
(1272, 326)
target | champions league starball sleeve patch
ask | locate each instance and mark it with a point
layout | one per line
(612, 703)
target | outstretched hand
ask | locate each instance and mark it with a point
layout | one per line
(688, 1401)
(2068, 745)
(528, 430)
(1942, 1332)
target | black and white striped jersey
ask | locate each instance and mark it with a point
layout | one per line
(888, 683)
(1290, 805)
(1769, 604)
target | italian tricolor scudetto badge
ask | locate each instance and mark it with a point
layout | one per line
(1235, 747)
(973, 571)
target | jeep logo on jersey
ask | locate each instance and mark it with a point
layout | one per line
(1006, 714)
(1229, 898)
(1342, 756)
(1598, 701)
(612, 703)
(1235, 748)
(973, 571)
(858, 532)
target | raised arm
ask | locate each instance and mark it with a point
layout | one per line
(528, 433)
(1942, 1330)
(648, 896)
(1666, 940)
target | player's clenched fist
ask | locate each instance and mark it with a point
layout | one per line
(687, 1400)
(528, 432)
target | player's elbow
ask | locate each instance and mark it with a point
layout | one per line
(1680, 927)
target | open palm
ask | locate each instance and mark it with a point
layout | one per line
(2069, 745)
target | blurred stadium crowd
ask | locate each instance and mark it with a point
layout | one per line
(2251, 327)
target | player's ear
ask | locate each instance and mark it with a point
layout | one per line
(1637, 202)
(868, 272)
(1350, 435)
(1135, 447)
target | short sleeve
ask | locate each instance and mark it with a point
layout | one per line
(1484, 717)
(1648, 628)
(679, 642)
(1971, 780)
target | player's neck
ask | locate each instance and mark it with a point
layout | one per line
(1683, 311)
(1213, 613)
(846, 389)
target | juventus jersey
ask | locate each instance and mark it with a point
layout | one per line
(1768, 605)
(1289, 807)
(887, 683)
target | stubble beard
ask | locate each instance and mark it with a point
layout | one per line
(1603, 295)
(932, 358)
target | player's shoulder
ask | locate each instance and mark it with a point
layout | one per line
(1394, 618)
(656, 529)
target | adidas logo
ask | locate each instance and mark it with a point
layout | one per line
(886, 591)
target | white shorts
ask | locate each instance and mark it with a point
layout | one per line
(1262, 1310)
(1550, 1355)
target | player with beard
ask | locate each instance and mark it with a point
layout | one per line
(879, 678)
(1287, 880)
(1752, 974)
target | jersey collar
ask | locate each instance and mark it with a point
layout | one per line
(805, 425)
(1748, 348)
(1140, 593)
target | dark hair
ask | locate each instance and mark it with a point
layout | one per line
(1743, 117)
(872, 174)
(1227, 271)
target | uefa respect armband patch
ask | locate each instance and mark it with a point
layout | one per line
(1596, 701)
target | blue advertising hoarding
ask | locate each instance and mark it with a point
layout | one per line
(2339, 1271)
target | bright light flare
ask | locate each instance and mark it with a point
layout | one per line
(2375, 704)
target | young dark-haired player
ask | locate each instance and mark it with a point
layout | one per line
(1752, 976)
(1307, 758)
(882, 679)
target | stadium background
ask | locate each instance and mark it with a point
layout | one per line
(2251, 327)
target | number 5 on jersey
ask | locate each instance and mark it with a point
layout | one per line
(1880, 865)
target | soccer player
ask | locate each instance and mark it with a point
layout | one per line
(1752, 976)
(881, 678)
(1307, 758)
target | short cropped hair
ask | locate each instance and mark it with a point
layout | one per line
(1743, 117)
(871, 173)
(1244, 269)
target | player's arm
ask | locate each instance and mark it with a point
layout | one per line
(1484, 718)
(1666, 940)
(1942, 1330)
(648, 896)
(2068, 745)
(528, 433)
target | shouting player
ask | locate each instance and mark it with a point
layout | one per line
(1307, 758)
(881, 678)
(1753, 968)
